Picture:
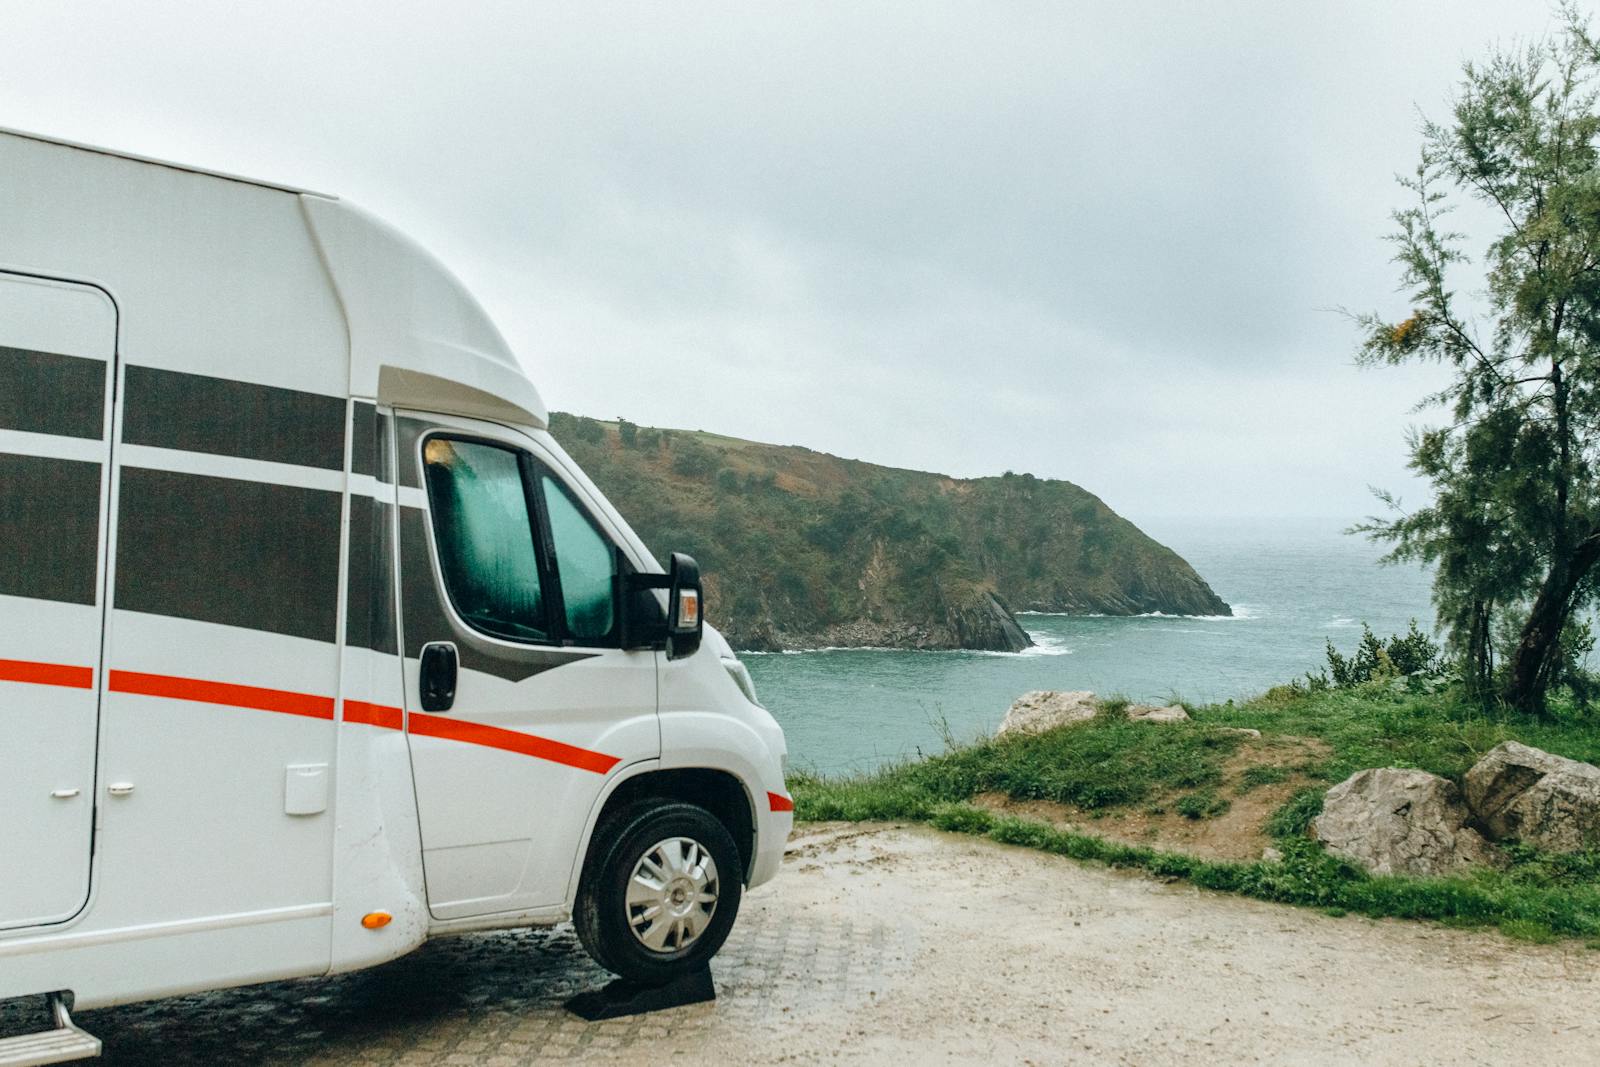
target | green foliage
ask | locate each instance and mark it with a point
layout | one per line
(1409, 655)
(588, 430)
(627, 433)
(1204, 804)
(1514, 525)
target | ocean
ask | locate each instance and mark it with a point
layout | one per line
(1293, 584)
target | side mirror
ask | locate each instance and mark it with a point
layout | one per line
(685, 622)
(642, 625)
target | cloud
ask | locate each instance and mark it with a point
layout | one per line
(1094, 242)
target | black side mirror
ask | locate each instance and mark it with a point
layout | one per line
(642, 625)
(685, 621)
(436, 678)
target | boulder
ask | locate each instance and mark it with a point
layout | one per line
(1543, 800)
(1046, 709)
(1393, 821)
(1148, 713)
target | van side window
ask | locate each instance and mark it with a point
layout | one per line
(586, 562)
(484, 531)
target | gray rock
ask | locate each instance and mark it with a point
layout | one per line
(1271, 855)
(1046, 709)
(1393, 821)
(1242, 731)
(1541, 799)
(1149, 713)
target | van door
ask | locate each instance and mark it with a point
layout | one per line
(509, 576)
(57, 362)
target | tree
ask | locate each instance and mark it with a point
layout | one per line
(1515, 522)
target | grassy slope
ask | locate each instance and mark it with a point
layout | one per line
(1111, 763)
(871, 554)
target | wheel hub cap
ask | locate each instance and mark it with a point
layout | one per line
(672, 894)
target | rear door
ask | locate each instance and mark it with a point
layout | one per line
(503, 561)
(57, 362)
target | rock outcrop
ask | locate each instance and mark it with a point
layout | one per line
(1150, 713)
(1395, 821)
(984, 623)
(1045, 709)
(1522, 793)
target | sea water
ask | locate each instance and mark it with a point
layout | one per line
(1293, 585)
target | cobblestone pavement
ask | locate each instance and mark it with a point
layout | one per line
(497, 999)
(900, 945)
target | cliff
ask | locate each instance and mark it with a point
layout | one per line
(806, 550)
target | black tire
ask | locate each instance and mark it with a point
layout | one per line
(602, 914)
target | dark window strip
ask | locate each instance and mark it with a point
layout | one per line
(224, 417)
(408, 430)
(49, 528)
(369, 443)
(369, 618)
(44, 392)
(237, 553)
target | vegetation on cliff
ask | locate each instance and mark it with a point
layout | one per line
(802, 549)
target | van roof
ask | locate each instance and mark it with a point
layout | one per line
(163, 163)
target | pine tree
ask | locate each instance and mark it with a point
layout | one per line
(1514, 527)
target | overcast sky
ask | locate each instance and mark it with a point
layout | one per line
(1092, 241)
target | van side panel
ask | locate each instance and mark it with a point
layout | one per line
(223, 576)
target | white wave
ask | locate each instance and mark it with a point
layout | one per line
(1339, 622)
(1045, 645)
(1240, 613)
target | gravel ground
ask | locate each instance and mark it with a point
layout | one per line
(888, 943)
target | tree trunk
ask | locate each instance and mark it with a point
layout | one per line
(1534, 661)
(1479, 671)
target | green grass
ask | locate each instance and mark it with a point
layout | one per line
(1263, 774)
(1110, 763)
(1204, 804)
(1107, 762)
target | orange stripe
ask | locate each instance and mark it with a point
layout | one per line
(476, 733)
(780, 802)
(373, 714)
(21, 670)
(356, 711)
(237, 696)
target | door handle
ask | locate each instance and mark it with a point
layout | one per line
(436, 677)
(64, 794)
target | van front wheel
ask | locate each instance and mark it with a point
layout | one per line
(660, 892)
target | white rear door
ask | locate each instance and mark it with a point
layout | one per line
(57, 362)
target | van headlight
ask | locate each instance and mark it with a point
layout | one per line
(741, 678)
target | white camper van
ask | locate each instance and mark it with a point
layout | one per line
(314, 644)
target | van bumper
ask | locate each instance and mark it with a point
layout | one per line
(772, 835)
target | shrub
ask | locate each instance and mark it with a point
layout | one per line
(1412, 654)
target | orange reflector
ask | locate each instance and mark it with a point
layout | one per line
(376, 920)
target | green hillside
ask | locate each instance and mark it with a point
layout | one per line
(804, 550)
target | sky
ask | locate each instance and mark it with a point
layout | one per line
(1100, 242)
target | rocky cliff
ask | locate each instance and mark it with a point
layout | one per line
(806, 550)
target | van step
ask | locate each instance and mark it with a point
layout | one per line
(66, 1042)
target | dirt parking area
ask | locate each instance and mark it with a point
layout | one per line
(899, 944)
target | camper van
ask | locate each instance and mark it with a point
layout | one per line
(314, 644)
